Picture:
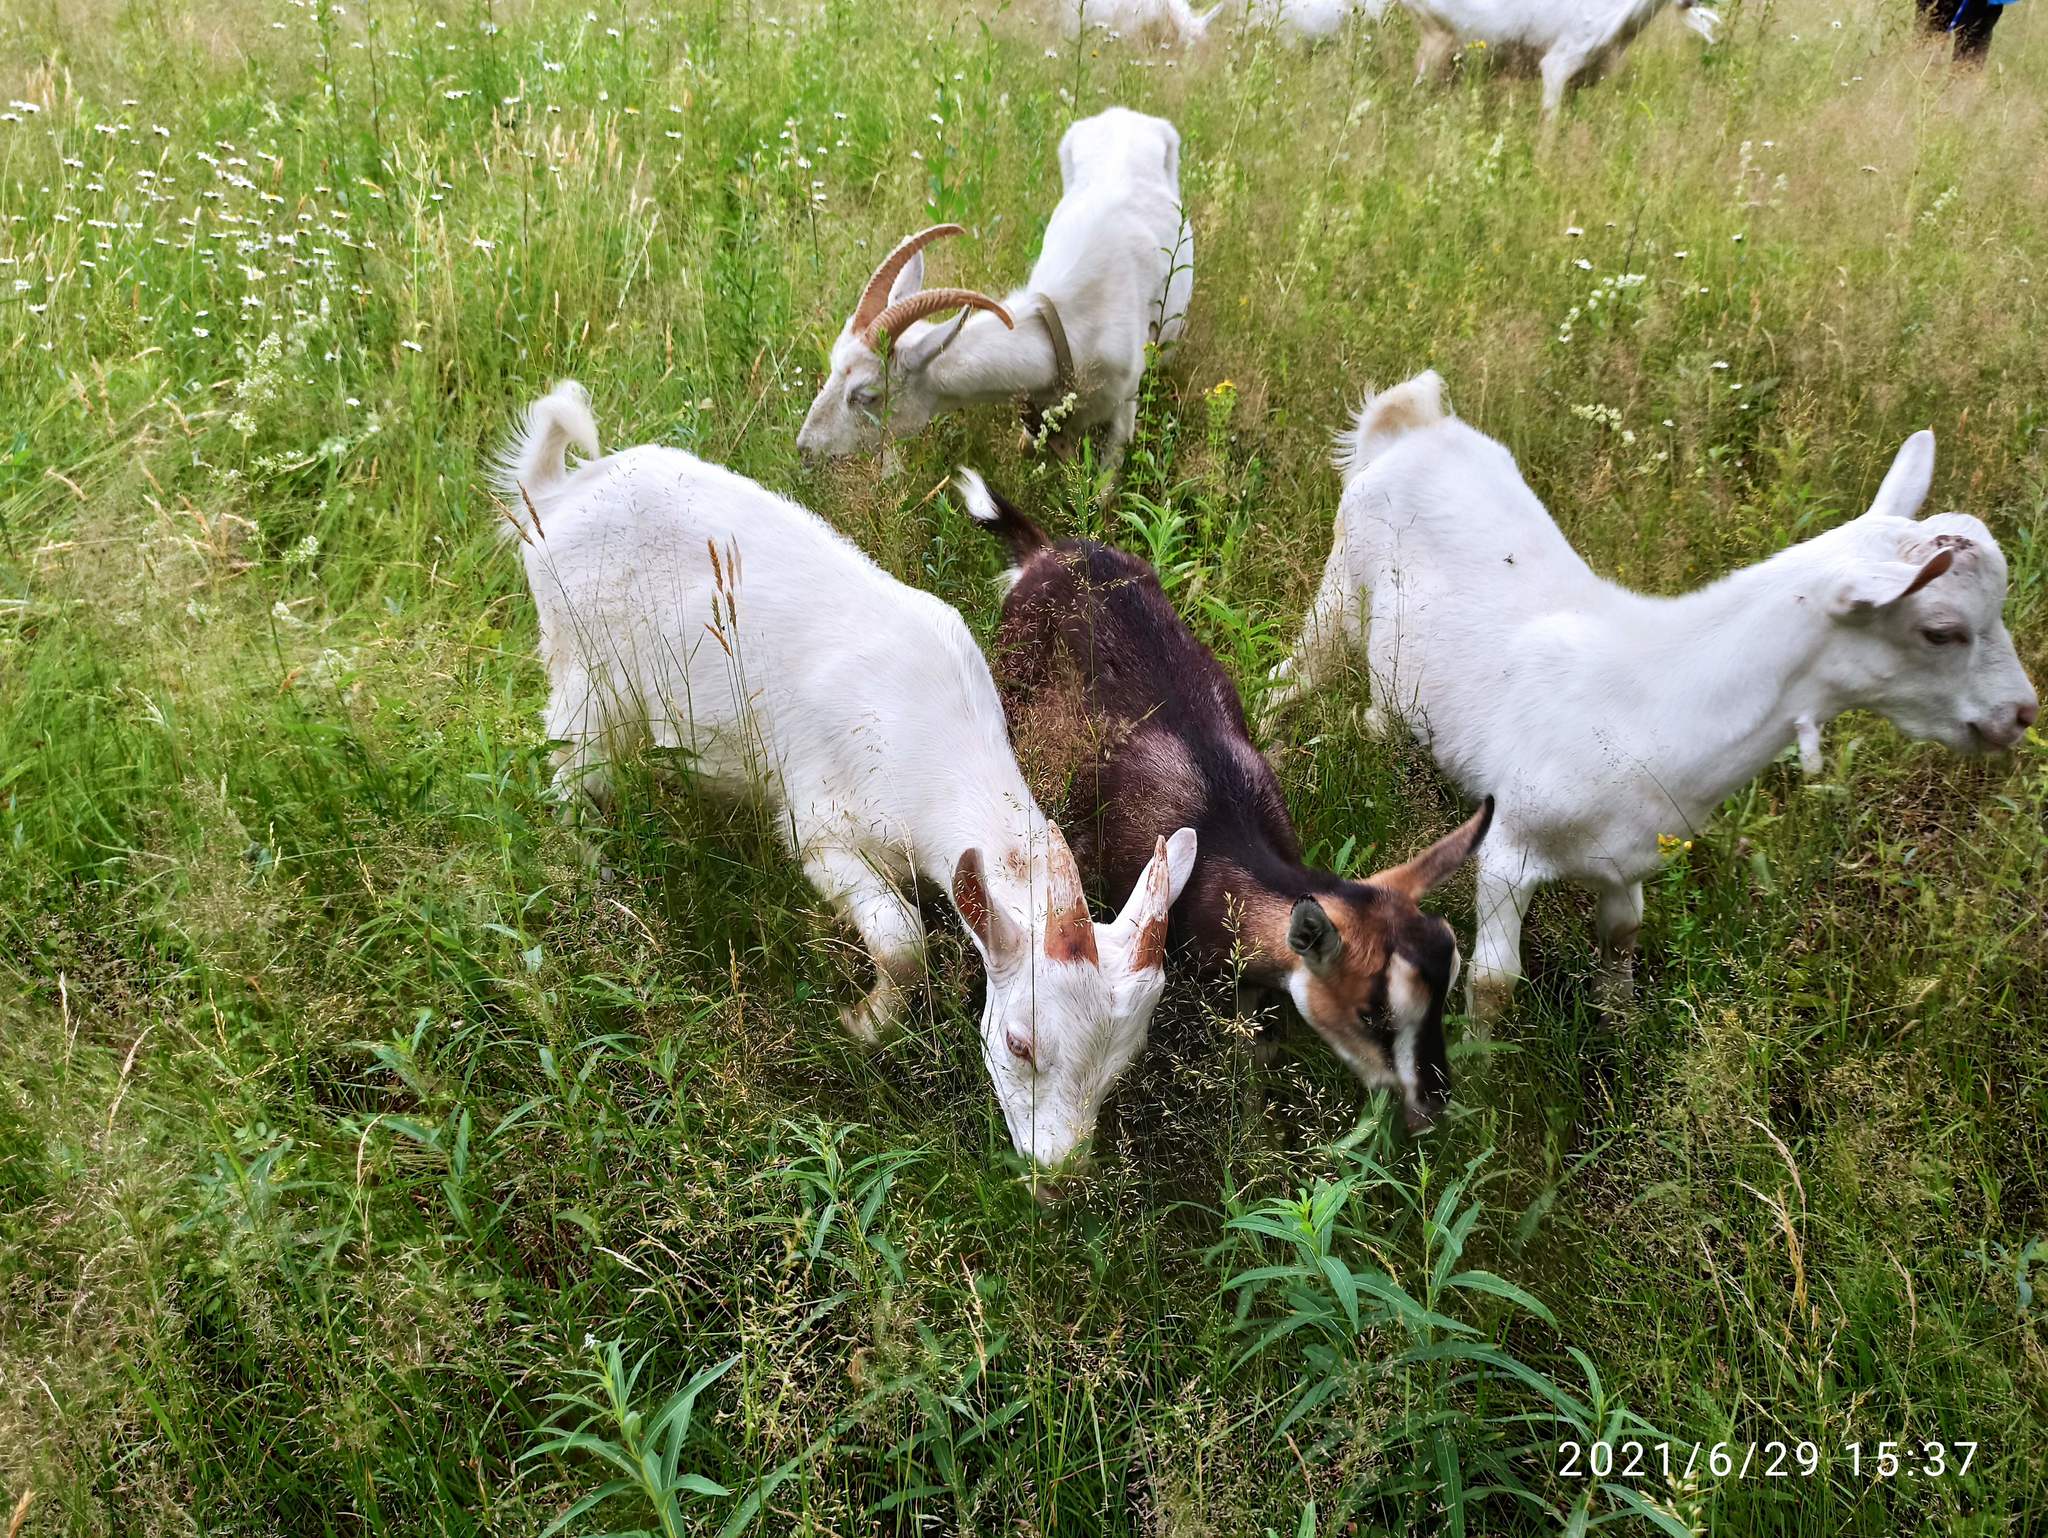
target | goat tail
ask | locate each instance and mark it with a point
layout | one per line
(1000, 516)
(1386, 416)
(1702, 18)
(532, 463)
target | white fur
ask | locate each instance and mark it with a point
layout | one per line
(1305, 20)
(1172, 21)
(1118, 261)
(793, 669)
(1601, 718)
(1573, 39)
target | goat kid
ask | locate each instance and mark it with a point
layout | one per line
(684, 605)
(1601, 718)
(1573, 40)
(1097, 668)
(1115, 273)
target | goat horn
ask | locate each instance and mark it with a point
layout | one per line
(876, 294)
(931, 301)
(1069, 932)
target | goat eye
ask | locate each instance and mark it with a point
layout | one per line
(1944, 636)
(1020, 1048)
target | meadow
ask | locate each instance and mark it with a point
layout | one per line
(368, 1165)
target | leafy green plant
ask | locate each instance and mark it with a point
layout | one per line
(1162, 531)
(646, 1448)
(1461, 1401)
(842, 1200)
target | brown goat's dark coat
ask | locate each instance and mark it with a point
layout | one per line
(1129, 728)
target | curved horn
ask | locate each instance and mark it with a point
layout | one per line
(931, 301)
(876, 294)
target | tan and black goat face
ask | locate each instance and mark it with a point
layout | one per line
(1924, 612)
(879, 382)
(1375, 972)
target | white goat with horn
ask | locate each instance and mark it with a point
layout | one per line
(1115, 273)
(1602, 718)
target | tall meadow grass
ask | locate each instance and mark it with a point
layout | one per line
(368, 1166)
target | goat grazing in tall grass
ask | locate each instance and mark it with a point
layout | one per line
(1572, 40)
(683, 605)
(1172, 22)
(1305, 21)
(1090, 646)
(1600, 718)
(1114, 274)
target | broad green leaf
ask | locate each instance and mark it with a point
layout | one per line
(1501, 1287)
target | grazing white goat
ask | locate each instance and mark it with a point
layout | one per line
(1601, 718)
(684, 605)
(1115, 272)
(1167, 21)
(1305, 21)
(1572, 39)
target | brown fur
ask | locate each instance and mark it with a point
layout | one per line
(1070, 935)
(1151, 947)
(970, 893)
(1100, 678)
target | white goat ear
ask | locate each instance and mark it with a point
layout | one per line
(909, 281)
(1144, 918)
(1908, 481)
(1880, 583)
(999, 934)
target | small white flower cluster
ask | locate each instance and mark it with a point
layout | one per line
(1607, 292)
(1932, 213)
(1052, 419)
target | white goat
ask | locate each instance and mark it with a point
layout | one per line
(1572, 39)
(1600, 718)
(1115, 272)
(1305, 21)
(1168, 21)
(684, 605)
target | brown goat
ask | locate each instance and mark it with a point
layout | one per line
(1106, 689)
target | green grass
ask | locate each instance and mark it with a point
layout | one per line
(366, 1168)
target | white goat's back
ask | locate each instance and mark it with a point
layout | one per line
(1123, 148)
(1117, 254)
(1169, 21)
(686, 605)
(1306, 20)
(1541, 25)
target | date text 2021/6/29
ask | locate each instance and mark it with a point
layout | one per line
(1632, 1459)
